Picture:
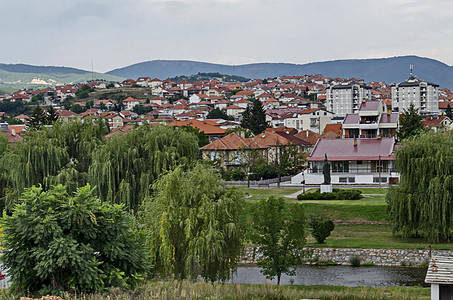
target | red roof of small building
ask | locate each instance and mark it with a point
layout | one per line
(233, 142)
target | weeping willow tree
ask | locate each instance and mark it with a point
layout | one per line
(50, 156)
(126, 166)
(422, 204)
(195, 224)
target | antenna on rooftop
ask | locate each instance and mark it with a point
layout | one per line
(411, 68)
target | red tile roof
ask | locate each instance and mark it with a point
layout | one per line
(233, 142)
(205, 126)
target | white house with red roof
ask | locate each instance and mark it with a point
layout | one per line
(143, 81)
(130, 103)
(234, 111)
(352, 161)
(195, 98)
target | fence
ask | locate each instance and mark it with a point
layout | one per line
(259, 182)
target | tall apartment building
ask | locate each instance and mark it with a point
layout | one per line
(424, 95)
(346, 98)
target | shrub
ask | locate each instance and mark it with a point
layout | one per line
(321, 227)
(355, 260)
(233, 175)
(263, 170)
(337, 194)
(53, 242)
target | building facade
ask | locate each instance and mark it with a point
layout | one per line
(346, 98)
(424, 95)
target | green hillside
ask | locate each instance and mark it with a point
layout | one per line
(25, 76)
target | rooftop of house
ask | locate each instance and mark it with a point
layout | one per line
(233, 142)
(353, 149)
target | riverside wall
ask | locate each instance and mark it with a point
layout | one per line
(379, 257)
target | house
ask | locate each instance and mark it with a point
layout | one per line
(234, 111)
(143, 81)
(4, 116)
(106, 103)
(12, 133)
(128, 83)
(158, 100)
(114, 120)
(232, 151)
(308, 136)
(130, 103)
(437, 123)
(314, 119)
(274, 140)
(440, 276)
(23, 118)
(67, 115)
(371, 121)
(352, 161)
(195, 98)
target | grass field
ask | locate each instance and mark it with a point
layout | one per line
(203, 290)
(369, 228)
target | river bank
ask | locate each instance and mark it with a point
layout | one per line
(378, 257)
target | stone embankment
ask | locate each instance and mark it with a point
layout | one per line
(379, 257)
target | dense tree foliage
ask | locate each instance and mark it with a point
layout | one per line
(279, 233)
(125, 167)
(202, 137)
(421, 205)
(410, 123)
(50, 156)
(54, 241)
(217, 113)
(194, 224)
(254, 117)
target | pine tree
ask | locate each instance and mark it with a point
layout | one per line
(254, 118)
(410, 123)
(448, 112)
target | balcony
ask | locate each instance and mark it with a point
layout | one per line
(366, 126)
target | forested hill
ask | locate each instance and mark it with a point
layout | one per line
(23, 76)
(208, 76)
(390, 70)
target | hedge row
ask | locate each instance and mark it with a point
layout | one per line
(337, 194)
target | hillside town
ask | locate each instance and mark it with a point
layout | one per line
(352, 122)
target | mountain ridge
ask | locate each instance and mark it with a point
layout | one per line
(390, 69)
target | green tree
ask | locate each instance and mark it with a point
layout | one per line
(76, 108)
(90, 104)
(51, 116)
(203, 138)
(61, 155)
(217, 113)
(254, 117)
(421, 204)
(125, 167)
(410, 123)
(38, 118)
(321, 227)
(279, 235)
(448, 112)
(54, 241)
(195, 224)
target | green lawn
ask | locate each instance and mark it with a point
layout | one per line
(269, 191)
(364, 211)
(372, 236)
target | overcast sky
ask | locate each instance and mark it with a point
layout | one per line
(117, 33)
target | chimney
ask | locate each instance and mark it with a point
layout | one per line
(389, 110)
(355, 142)
(306, 133)
(13, 131)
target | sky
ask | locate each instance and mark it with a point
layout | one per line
(109, 34)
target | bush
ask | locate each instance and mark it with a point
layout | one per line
(234, 175)
(337, 194)
(263, 170)
(355, 261)
(321, 227)
(54, 242)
